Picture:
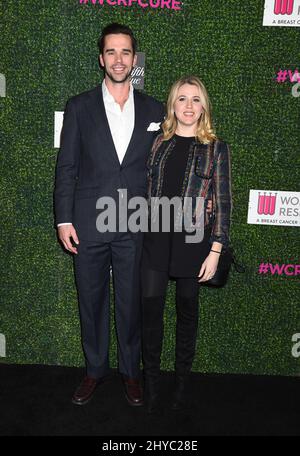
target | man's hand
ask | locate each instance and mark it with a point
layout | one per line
(65, 233)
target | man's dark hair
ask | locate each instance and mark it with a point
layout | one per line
(115, 29)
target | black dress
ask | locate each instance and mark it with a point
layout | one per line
(169, 252)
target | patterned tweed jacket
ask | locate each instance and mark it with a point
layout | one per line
(207, 175)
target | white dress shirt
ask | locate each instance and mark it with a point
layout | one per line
(121, 123)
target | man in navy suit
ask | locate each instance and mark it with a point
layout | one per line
(105, 143)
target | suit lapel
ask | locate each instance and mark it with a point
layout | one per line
(138, 127)
(96, 109)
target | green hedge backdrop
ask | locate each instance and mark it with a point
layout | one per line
(49, 53)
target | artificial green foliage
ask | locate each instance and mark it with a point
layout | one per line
(49, 53)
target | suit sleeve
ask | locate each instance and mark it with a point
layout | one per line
(67, 166)
(163, 112)
(223, 197)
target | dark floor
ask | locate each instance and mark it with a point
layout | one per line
(36, 401)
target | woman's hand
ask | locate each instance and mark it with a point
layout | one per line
(209, 267)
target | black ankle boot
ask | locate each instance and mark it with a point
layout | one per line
(180, 394)
(152, 395)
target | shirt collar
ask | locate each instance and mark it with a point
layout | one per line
(107, 96)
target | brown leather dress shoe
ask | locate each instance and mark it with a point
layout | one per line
(133, 391)
(85, 390)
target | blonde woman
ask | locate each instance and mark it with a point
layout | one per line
(186, 160)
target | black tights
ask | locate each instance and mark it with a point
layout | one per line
(155, 283)
(154, 287)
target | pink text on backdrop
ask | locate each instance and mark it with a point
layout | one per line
(169, 4)
(287, 269)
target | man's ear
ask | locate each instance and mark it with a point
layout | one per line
(135, 60)
(101, 60)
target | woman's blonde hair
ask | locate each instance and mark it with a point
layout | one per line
(204, 131)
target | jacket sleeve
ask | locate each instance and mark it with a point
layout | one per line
(222, 196)
(67, 166)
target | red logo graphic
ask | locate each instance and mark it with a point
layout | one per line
(266, 204)
(284, 6)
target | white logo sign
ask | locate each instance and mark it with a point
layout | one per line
(2, 85)
(138, 72)
(273, 207)
(2, 346)
(282, 13)
(58, 123)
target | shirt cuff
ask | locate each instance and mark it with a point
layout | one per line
(67, 223)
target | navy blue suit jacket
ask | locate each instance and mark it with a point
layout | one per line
(88, 166)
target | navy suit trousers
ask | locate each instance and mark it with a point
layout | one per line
(93, 275)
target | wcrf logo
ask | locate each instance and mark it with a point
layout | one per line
(284, 6)
(274, 207)
(282, 13)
